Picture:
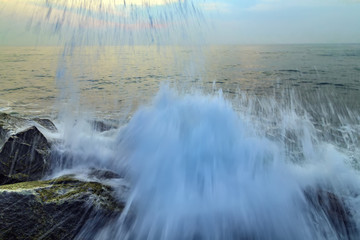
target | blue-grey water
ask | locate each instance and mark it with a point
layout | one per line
(111, 78)
(222, 142)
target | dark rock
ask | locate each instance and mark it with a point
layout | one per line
(55, 209)
(334, 210)
(102, 126)
(9, 125)
(5, 179)
(102, 174)
(45, 123)
(3, 135)
(24, 157)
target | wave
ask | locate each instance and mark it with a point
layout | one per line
(199, 169)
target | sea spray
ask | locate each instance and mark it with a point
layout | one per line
(197, 172)
(197, 169)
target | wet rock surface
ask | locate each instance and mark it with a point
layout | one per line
(333, 208)
(45, 123)
(102, 174)
(24, 150)
(24, 157)
(9, 125)
(55, 209)
(103, 126)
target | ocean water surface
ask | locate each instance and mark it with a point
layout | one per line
(108, 79)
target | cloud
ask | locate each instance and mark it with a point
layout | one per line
(351, 1)
(124, 14)
(273, 5)
(150, 2)
(216, 6)
(96, 4)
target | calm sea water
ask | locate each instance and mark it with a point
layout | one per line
(35, 80)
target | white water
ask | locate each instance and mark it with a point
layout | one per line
(198, 169)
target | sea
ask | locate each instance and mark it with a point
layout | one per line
(217, 142)
(109, 79)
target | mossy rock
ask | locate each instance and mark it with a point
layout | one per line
(55, 209)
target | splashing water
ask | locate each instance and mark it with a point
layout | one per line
(199, 173)
(198, 169)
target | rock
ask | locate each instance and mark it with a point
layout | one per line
(24, 157)
(102, 174)
(9, 125)
(331, 207)
(103, 126)
(45, 123)
(55, 209)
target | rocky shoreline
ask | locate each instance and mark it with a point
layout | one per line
(62, 207)
(59, 208)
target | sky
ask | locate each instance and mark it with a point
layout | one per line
(49, 22)
(285, 21)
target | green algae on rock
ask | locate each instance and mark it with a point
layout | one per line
(54, 209)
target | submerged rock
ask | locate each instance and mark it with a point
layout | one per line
(104, 125)
(24, 157)
(55, 209)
